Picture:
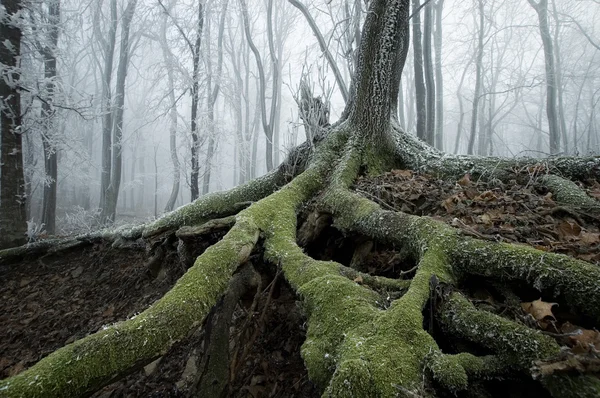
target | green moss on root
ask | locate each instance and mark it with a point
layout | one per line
(87, 364)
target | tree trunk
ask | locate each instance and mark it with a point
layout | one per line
(439, 77)
(107, 109)
(48, 116)
(112, 195)
(478, 78)
(12, 178)
(430, 126)
(267, 124)
(195, 173)
(213, 96)
(420, 93)
(168, 57)
(541, 8)
(559, 80)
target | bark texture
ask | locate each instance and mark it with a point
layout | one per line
(12, 177)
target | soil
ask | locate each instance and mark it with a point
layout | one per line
(52, 301)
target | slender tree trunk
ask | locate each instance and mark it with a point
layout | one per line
(107, 109)
(401, 117)
(267, 125)
(194, 175)
(214, 95)
(48, 116)
(110, 210)
(478, 79)
(559, 80)
(420, 93)
(168, 57)
(429, 79)
(12, 177)
(439, 77)
(541, 8)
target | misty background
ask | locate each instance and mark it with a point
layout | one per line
(484, 59)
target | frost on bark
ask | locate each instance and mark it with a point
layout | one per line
(12, 177)
(366, 335)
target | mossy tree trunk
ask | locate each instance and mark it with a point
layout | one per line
(359, 342)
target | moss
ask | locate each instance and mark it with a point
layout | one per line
(569, 386)
(567, 193)
(217, 204)
(85, 365)
(575, 280)
(514, 342)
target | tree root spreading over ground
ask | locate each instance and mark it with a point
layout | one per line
(359, 342)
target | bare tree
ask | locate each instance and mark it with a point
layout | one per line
(48, 51)
(430, 126)
(12, 178)
(439, 76)
(213, 93)
(541, 7)
(478, 75)
(420, 91)
(169, 64)
(112, 193)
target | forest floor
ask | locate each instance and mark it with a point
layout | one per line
(51, 301)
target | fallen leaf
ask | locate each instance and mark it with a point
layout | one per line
(402, 173)
(465, 181)
(590, 238)
(540, 310)
(568, 229)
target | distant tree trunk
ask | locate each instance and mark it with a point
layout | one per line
(478, 79)
(559, 80)
(401, 116)
(107, 110)
(541, 8)
(214, 95)
(267, 124)
(429, 79)
(439, 77)
(141, 202)
(194, 175)
(110, 210)
(12, 177)
(48, 116)
(131, 204)
(168, 57)
(420, 93)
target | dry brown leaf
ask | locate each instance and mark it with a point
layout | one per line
(568, 229)
(539, 309)
(582, 340)
(465, 181)
(402, 173)
(590, 237)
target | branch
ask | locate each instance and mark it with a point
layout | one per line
(323, 46)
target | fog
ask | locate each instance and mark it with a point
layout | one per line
(490, 58)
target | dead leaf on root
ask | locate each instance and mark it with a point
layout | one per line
(540, 310)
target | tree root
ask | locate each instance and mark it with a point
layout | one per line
(359, 342)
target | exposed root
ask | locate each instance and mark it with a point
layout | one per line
(414, 154)
(366, 334)
(567, 193)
